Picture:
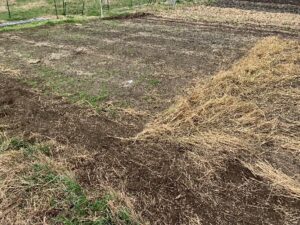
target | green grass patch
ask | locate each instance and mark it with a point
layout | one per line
(77, 91)
(72, 202)
(20, 144)
(23, 15)
(153, 82)
(51, 22)
(23, 9)
(92, 100)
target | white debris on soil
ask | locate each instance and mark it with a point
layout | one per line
(34, 61)
(81, 50)
(58, 55)
(127, 83)
(43, 44)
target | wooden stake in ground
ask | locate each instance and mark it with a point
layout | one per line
(55, 6)
(108, 5)
(83, 6)
(172, 3)
(64, 8)
(101, 9)
(8, 9)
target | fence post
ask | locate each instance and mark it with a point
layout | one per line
(83, 6)
(101, 9)
(8, 9)
(55, 6)
(64, 7)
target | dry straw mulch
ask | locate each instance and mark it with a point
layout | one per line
(251, 112)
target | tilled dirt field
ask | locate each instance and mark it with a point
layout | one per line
(292, 2)
(129, 69)
(137, 63)
(93, 86)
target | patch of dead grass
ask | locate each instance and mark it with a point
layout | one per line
(277, 178)
(9, 72)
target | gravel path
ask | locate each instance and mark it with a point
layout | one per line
(12, 23)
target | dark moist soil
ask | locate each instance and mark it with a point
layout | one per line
(30, 114)
(292, 2)
(128, 16)
(152, 172)
(289, 6)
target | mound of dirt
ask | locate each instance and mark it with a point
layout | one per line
(128, 16)
(242, 133)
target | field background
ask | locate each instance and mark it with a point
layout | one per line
(163, 115)
(25, 9)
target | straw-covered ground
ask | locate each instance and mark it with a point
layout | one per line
(243, 125)
(226, 152)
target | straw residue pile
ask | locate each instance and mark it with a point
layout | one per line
(248, 117)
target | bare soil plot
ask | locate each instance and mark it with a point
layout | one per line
(139, 64)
